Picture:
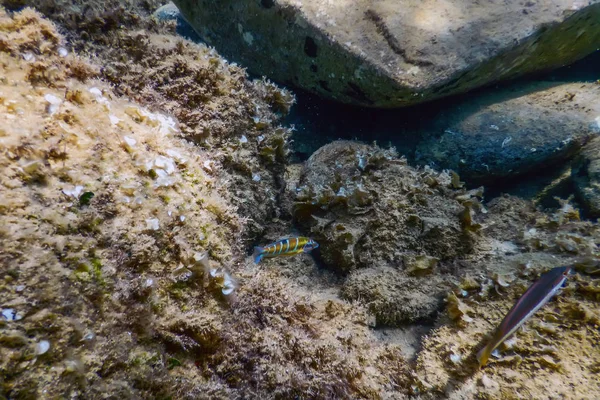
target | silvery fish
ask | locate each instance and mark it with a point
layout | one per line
(285, 247)
(532, 300)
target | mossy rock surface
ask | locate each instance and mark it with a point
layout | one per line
(389, 53)
(393, 297)
(366, 207)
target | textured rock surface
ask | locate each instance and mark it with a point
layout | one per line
(99, 297)
(390, 53)
(586, 176)
(393, 297)
(514, 131)
(97, 260)
(366, 207)
(215, 105)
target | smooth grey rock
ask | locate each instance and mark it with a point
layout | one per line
(513, 131)
(391, 53)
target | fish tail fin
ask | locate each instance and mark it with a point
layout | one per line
(258, 254)
(483, 356)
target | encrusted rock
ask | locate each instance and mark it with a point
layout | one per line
(392, 296)
(366, 207)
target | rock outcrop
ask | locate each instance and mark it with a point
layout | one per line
(390, 53)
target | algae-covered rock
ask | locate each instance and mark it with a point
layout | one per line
(393, 297)
(123, 234)
(556, 341)
(215, 104)
(119, 235)
(389, 53)
(513, 131)
(104, 202)
(366, 207)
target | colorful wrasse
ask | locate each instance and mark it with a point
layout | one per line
(285, 247)
(532, 300)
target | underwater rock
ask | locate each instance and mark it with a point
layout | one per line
(553, 345)
(513, 131)
(389, 53)
(392, 296)
(585, 173)
(366, 207)
(132, 312)
(214, 102)
(85, 225)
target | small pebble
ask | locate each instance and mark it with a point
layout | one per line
(53, 103)
(228, 285)
(62, 52)
(11, 315)
(75, 192)
(114, 119)
(88, 337)
(152, 224)
(95, 91)
(129, 141)
(20, 288)
(42, 347)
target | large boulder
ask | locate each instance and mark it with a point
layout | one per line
(390, 53)
(513, 131)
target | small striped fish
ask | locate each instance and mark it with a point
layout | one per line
(532, 300)
(285, 247)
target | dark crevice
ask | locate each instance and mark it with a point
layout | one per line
(310, 47)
